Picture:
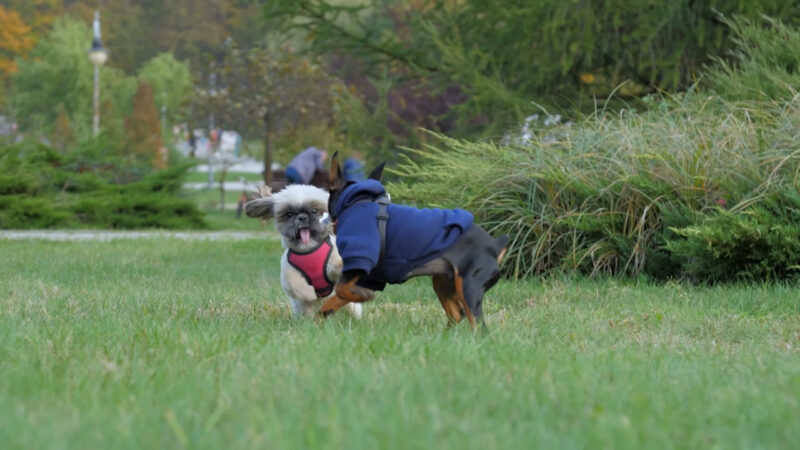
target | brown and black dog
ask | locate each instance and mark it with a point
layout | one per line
(376, 240)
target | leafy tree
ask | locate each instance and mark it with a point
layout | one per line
(144, 129)
(58, 78)
(127, 32)
(138, 30)
(502, 58)
(172, 84)
(38, 14)
(273, 90)
(15, 40)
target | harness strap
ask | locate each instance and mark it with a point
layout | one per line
(383, 217)
(312, 264)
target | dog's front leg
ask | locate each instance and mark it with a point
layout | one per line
(346, 288)
(347, 291)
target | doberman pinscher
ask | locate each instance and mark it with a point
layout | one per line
(385, 243)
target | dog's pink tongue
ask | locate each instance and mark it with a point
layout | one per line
(305, 235)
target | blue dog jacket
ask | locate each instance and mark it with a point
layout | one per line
(413, 236)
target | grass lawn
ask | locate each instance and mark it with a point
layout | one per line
(167, 343)
(217, 219)
(226, 220)
(209, 198)
(201, 177)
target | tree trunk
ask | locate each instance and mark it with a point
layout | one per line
(268, 150)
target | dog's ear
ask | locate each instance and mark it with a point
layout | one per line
(260, 208)
(377, 172)
(335, 176)
(501, 246)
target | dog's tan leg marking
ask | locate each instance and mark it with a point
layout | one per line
(350, 292)
(445, 289)
(459, 284)
(331, 305)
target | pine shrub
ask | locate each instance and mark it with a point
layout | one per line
(89, 188)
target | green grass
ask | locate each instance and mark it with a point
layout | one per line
(226, 220)
(216, 219)
(167, 343)
(202, 177)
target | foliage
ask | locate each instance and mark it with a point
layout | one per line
(15, 40)
(144, 128)
(286, 98)
(263, 82)
(636, 192)
(38, 14)
(139, 30)
(172, 84)
(491, 63)
(765, 64)
(759, 243)
(58, 79)
(89, 187)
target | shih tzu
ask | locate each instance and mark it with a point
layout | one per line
(310, 265)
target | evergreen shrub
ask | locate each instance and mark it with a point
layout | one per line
(89, 188)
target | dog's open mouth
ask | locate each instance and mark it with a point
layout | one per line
(305, 235)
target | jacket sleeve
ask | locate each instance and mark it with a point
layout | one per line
(357, 239)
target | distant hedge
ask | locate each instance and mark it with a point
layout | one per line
(42, 188)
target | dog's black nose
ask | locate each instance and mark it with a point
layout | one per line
(302, 218)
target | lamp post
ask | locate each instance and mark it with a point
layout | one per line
(98, 56)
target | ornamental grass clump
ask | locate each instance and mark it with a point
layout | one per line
(701, 185)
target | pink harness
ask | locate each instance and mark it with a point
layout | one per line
(312, 265)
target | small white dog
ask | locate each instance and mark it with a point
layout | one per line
(310, 265)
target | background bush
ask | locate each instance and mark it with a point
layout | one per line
(700, 185)
(42, 188)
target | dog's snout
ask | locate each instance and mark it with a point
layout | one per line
(302, 218)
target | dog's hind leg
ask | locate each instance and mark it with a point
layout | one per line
(455, 304)
(459, 282)
(445, 289)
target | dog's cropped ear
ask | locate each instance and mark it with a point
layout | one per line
(377, 172)
(335, 176)
(260, 208)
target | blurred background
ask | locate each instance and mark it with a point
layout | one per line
(186, 102)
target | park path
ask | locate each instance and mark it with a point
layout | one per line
(108, 235)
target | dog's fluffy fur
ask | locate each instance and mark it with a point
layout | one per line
(295, 208)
